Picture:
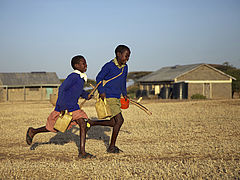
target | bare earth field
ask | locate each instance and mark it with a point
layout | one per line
(181, 140)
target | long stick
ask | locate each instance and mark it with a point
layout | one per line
(141, 107)
(137, 104)
(91, 93)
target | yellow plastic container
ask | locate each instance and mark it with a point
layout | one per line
(63, 122)
(102, 108)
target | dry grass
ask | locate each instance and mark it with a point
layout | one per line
(181, 140)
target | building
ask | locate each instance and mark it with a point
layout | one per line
(28, 86)
(183, 81)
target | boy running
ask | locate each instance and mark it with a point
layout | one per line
(112, 91)
(69, 93)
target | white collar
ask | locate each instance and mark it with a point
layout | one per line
(82, 75)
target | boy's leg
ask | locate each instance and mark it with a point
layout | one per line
(115, 122)
(116, 128)
(110, 122)
(32, 132)
(83, 125)
(48, 128)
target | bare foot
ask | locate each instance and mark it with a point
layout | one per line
(86, 155)
(29, 136)
(114, 149)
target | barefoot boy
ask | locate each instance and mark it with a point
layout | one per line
(69, 93)
(113, 90)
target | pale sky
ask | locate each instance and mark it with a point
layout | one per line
(44, 35)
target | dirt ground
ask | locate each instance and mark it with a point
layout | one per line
(181, 140)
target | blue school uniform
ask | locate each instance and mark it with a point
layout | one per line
(70, 91)
(117, 86)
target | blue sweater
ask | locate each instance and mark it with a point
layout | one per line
(115, 87)
(69, 92)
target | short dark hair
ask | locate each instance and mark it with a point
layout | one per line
(121, 49)
(76, 60)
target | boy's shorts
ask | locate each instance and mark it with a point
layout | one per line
(51, 120)
(115, 106)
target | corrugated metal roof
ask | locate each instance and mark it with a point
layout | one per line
(172, 72)
(168, 73)
(38, 78)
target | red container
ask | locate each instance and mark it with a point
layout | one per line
(124, 103)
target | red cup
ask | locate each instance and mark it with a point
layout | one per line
(124, 103)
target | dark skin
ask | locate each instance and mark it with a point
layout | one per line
(116, 121)
(122, 59)
(82, 67)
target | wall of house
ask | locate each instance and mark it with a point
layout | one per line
(2, 95)
(27, 94)
(202, 80)
(221, 90)
(203, 73)
(15, 94)
(194, 88)
(35, 93)
(212, 83)
(153, 90)
(153, 87)
(211, 90)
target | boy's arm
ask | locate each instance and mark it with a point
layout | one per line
(67, 83)
(124, 83)
(80, 85)
(84, 94)
(101, 76)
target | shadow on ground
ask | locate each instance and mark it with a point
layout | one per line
(96, 132)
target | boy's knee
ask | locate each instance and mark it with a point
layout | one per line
(119, 119)
(81, 122)
(112, 121)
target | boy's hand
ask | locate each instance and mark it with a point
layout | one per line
(89, 97)
(125, 97)
(102, 96)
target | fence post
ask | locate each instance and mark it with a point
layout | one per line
(7, 92)
(41, 93)
(24, 93)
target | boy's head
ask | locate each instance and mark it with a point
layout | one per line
(79, 63)
(122, 54)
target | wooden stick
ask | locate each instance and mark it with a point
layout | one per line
(92, 85)
(91, 93)
(141, 106)
(136, 103)
(94, 89)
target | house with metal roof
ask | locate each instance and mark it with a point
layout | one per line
(183, 81)
(28, 86)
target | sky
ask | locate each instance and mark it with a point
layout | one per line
(44, 35)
